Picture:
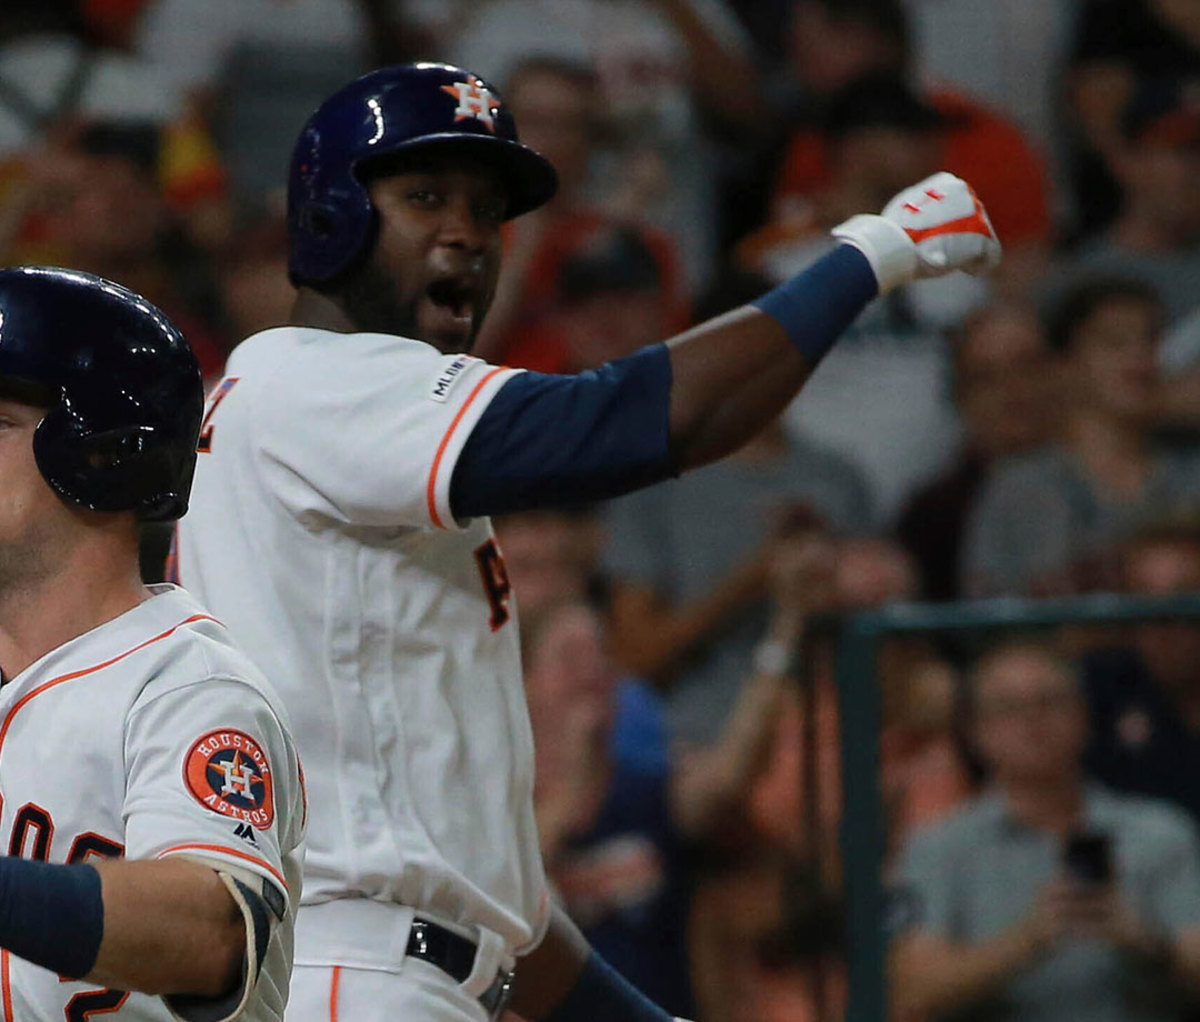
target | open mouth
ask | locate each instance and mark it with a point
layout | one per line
(454, 296)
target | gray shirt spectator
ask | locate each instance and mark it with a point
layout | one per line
(1156, 234)
(1047, 522)
(1047, 899)
(1173, 274)
(880, 400)
(682, 538)
(974, 875)
(1042, 522)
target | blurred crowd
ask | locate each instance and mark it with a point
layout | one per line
(1036, 433)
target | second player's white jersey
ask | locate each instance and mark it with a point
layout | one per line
(150, 736)
(320, 531)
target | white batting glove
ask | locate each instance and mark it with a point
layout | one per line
(928, 230)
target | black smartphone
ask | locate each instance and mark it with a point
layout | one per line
(1087, 857)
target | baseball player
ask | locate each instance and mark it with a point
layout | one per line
(348, 464)
(150, 797)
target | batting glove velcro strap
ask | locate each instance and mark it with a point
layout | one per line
(944, 226)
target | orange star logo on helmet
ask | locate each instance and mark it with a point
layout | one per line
(475, 100)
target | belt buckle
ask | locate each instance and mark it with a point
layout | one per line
(496, 997)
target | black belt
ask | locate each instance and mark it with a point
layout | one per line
(455, 956)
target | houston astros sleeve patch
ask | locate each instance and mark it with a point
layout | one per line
(227, 771)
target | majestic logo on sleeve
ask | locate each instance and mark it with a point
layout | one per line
(474, 100)
(227, 772)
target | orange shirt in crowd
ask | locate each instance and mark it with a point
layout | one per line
(980, 146)
(922, 776)
(531, 342)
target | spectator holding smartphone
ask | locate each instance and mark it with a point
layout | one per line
(1046, 898)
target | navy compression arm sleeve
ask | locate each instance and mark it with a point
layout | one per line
(816, 306)
(51, 915)
(551, 440)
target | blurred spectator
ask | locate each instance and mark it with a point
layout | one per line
(688, 562)
(875, 132)
(255, 69)
(1000, 388)
(1145, 697)
(924, 772)
(661, 66)
(998, 926)
(878, 398)
(551, 556)
(799, 973)
(921, 770)
(51, 71)
(552, 560)
(112, 22)
(555, 105)
(97, 206)
(1116, 44)
(765, 21)
(836, 42)
(775, 953)
(689, 592)
(610, 298)
(1009, 55)
(1049, 521)
(252, 274)
(741, 981)
(613, 821)
(833, 44)
(62, 65)
(1156, 233)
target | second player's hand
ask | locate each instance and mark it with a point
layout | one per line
(933, 228)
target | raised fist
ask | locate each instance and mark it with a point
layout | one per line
(927, 230)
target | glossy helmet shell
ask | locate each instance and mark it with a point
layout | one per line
(331, 222)
(121, 385)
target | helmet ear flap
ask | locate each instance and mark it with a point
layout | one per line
(120, 469)
(60, 457)
(320, 221)
(121, 388)
(343, 235)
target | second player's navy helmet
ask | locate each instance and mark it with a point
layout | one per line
(331, 222)
(122, 389)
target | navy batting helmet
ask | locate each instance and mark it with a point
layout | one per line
(331, 222)
(121, 384)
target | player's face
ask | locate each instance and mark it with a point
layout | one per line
(433, 272)
(32, 517)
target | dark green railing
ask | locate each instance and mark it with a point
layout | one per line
(858, 639)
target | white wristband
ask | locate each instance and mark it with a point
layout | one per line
(888, 249)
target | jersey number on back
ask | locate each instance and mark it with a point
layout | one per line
(31, 834)
(495, 582)
(204, 444)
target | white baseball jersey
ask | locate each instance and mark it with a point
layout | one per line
(320, 531)
(146, 737)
